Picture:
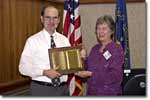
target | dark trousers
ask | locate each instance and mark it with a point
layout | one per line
(43, 90)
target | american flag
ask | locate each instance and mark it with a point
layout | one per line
(71, 29)
(72, 22)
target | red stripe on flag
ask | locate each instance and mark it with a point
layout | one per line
(78, 90)
(77, 23)
(69, 79)
(66, 24)
(78, 41)
(72, 39)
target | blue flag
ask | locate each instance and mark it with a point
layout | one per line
(121, 34)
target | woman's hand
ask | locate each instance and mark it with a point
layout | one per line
(84, 74)
(83, 53)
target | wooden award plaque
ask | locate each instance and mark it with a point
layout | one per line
(66, 60)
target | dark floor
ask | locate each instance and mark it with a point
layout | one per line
(24, 91)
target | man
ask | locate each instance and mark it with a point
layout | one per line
(34, 60)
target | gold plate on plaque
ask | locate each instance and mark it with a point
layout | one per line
(66, 60)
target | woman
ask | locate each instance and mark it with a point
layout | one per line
(105, 61)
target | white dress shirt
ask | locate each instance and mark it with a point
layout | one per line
(35, 58)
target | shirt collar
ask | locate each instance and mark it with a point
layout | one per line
(109, 45)
(47, 35)
(45, 31)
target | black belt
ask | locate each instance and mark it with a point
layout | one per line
(46, 83)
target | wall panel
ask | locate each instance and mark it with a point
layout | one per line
(19, 19)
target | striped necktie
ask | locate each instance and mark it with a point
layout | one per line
(55, 81)
(53, 45)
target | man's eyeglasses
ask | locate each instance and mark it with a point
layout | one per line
(51, 18)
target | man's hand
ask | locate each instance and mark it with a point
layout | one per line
(51, 73)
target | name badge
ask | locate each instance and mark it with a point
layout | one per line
(107, 55)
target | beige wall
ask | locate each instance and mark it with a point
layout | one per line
(136, 25)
